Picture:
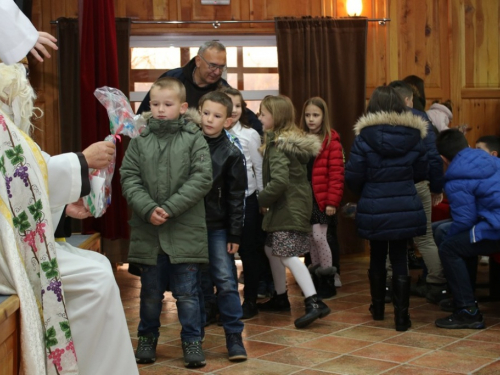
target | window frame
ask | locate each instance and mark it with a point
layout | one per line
(184, 42)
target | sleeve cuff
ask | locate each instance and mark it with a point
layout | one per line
(85, 175)
(231, 238)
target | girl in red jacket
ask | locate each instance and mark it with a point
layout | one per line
(326, 175)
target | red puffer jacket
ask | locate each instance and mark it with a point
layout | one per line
(328, 173)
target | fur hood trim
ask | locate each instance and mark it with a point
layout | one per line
(407, 119)
(191, 115)
(298, 143)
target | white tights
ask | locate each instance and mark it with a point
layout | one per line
(296, 267)
(320, 250)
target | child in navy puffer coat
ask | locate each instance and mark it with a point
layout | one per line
(387, 158)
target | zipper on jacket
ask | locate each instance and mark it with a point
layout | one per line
(220, 196)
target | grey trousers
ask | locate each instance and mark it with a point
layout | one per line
(425, 243)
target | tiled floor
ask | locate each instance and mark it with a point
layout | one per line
(347, 341)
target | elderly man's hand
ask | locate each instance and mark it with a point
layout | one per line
(99, 154)
(39, 48)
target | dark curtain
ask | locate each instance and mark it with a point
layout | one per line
(68, 60)
(327, 57)
(99, 67)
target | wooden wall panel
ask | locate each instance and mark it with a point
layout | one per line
(268, 9)
(481, 43)
(452, 44)
(482, 118)
(422, 43)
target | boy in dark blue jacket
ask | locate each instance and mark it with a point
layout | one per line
(472, 185)
(224, 206)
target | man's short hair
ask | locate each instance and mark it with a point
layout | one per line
(492, 142)
(211, 44)
(402, 88)
(218, 97)
(450, 142)
(172, 84)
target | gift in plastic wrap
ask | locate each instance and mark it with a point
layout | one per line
(122, 121)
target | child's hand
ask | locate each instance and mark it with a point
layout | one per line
(264, 210)
(77, 210)
(232, 247)
(330, 210)
(159, 216)
(436, 198)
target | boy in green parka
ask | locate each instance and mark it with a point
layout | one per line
(165, 174)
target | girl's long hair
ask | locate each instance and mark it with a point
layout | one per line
(234, 92)
(282, 110)
(326, 129)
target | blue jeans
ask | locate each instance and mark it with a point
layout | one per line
(459, 259)
(183, 280)
(440, 230)
(220, 272)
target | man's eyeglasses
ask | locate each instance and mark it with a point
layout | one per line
(213, 67)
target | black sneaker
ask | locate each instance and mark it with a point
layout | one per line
(447, 305)
(463, 318)
(235, 349)
(419, 288)
(146, 349)
(193, 354)
(249, 309)
(436, 293)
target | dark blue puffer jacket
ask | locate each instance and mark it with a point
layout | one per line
(435, 173)
(387, 158)
(472, 185)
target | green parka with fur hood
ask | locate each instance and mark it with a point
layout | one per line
(287, 192)
(168, 166)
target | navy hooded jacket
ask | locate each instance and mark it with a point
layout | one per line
(387, 158)
(472, 185)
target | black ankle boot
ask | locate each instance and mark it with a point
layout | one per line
(401, 302)
(326, 282)
(315, 308)
(278, 302)
(377, 291)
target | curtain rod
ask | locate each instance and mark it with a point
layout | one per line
(217, 24)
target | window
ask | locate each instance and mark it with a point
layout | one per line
(252, 63)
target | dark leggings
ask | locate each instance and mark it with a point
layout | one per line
(397, 256)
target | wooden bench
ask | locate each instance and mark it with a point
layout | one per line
(10, 341)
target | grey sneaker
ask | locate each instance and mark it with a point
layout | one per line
(235, 348)
(146, 349)
(193, 354)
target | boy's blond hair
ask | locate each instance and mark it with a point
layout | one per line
(173, 84)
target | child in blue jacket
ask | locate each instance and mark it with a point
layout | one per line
(472, 185)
